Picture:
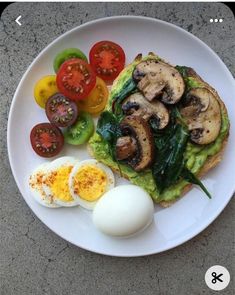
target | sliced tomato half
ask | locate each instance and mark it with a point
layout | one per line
(46, 139)
(96, 100)
(107, 59)
(61, 111)
(75, 79)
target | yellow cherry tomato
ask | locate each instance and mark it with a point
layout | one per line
(45, 88)
(96, 100)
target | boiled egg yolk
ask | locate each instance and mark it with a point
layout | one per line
(90, 183)
(59, 185)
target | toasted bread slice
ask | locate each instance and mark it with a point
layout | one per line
(211, 161)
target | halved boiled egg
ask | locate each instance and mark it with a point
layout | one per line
(56, 181)
(88, 181)
(36, 187)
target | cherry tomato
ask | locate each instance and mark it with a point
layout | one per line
(96, 100)
(66, 54)
(107, 59)
(80, 131)
(46, 139)
(75, 79)
(61, 111)
(44, 88)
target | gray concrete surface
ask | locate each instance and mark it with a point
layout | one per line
(35, 261)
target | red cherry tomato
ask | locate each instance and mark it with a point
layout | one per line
(46, 139)
(107, 59)
(75, 79)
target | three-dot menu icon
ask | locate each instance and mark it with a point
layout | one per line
(216, 20)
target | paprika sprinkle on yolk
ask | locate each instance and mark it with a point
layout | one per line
(58, 183)
(90, 183)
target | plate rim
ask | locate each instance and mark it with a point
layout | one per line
(198, 229)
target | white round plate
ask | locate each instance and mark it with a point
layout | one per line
(172, 226)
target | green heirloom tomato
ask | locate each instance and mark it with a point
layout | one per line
(81, 130)
(66, 54)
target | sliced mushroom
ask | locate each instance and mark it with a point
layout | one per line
(194, 103)
(137, 104)
(138, 128)
(151, 87)
(126, 147)
(202, 115)
(158, 79)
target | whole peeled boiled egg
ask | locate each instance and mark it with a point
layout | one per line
(123, 211)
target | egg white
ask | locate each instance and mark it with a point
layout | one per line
(123, 211)
(37, 190)
(52, 167)
(89, 205)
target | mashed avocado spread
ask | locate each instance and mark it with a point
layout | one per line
(195, 155)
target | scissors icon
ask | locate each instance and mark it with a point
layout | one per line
(214, 275)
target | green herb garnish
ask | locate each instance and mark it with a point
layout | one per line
(128, 88)
(190, 177)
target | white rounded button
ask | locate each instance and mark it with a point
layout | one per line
(217, 277)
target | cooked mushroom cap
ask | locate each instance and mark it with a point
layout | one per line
(137, 104)
(150, 86)
(158, 79)
(202, 115)
(126, 147)
(138, 128)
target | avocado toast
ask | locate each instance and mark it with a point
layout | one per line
(163, 128)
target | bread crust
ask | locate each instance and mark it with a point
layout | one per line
(211, 161)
